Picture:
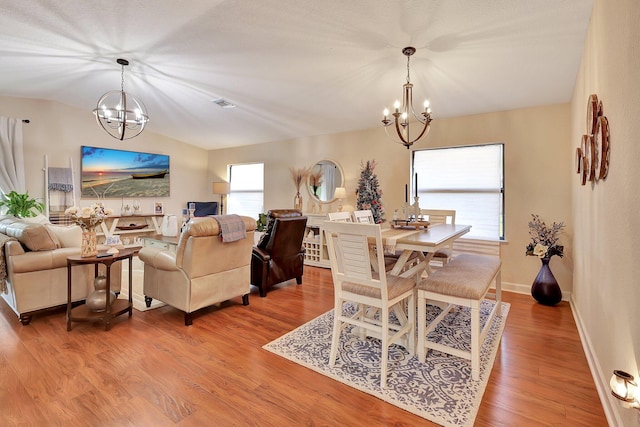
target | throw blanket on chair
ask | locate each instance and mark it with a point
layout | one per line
(3, 264)
(232, 228)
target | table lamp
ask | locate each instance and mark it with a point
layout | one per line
(340, 194)
(221, 188)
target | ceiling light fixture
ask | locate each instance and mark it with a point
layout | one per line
(401, 112)
(121, 114)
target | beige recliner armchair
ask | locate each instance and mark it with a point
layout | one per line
(203, 271)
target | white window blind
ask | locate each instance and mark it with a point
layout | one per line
(246, 184)
(467, 179)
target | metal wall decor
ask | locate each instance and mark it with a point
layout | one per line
(592, 156)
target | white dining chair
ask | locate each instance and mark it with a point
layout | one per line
(355, 282)
(435, 217)
(340, 216)
(364, 216)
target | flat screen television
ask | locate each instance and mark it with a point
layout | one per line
(108, 173)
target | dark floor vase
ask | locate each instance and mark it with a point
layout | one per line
(545, 287)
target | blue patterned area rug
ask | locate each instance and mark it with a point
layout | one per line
(440, 390)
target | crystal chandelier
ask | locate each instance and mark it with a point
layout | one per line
(401, 112)
(121, 114)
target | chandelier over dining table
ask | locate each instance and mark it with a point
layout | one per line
(401, 117)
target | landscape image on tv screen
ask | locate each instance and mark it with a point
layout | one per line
(108, 173)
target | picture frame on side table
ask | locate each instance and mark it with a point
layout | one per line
(158, 210)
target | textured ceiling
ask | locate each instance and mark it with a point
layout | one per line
(294, 68)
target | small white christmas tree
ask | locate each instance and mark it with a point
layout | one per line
(368, 191)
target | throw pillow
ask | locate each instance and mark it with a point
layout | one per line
(68, 236)
(38, 219)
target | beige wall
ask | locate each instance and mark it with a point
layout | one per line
(607, 226)
(58, 131)
(538, 168)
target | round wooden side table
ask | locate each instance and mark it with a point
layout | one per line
(82, 313)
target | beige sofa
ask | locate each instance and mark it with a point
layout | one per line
(202, 271)
(35, 257)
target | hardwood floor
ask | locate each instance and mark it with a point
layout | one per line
(151, 370)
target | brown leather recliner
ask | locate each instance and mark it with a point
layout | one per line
(279, 256)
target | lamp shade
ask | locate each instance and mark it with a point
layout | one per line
(220, 188)
(340, 193)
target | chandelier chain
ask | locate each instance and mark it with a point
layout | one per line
(408, 59)
(122, 79)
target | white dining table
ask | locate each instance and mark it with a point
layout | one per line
(425, 242)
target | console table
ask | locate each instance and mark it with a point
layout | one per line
(135, 225)
(314, 242)
(82, 313)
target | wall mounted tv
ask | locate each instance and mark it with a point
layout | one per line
(108, 173)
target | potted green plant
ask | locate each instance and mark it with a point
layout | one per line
(21, 205)
(261, 223)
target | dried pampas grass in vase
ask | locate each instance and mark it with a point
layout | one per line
(298, 175)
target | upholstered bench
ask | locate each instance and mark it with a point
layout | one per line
(464, 281)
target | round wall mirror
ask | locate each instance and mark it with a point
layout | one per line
(325, 176)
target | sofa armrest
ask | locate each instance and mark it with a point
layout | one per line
(13, 247)
(260, 254)
(158, 258)
(26, 262)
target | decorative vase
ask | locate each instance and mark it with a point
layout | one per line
(89, 246)
(297, 201)
(545, 288)
(97, 300)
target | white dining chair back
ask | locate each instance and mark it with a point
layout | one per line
(340, 216)
(440, 216)
(374, 295)
(363, 217)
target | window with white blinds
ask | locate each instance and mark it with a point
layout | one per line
(246, 183)
(467, 179)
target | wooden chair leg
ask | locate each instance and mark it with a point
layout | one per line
(25, 319)
(475, 340)
(385, 346)
(188, 319)
(422, 326)
(245, 299)
(336, 332)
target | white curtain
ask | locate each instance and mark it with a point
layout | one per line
(12, 159)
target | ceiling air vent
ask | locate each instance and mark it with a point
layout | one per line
(223, 103)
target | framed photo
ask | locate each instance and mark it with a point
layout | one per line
(158, 208)
(114, 174)
(113, 240)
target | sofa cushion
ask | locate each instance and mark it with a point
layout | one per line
(38, 219)
(68, 236)
(33, 236)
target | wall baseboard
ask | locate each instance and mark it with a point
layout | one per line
(600, 379)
